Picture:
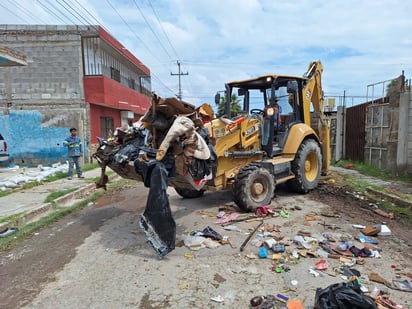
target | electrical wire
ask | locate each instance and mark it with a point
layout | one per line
(11, 12)
(91, 15)
(26, 11)
(161, 26)
(53, 13)
(154, 33)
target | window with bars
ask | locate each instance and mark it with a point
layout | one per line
(100, 58)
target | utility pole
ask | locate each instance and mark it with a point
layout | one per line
(179, 74)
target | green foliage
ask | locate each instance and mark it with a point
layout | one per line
(373, 171)
(360, 185)
(54, 195)
(234, 108)
(31, 228)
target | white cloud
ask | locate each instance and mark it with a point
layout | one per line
(358, 42)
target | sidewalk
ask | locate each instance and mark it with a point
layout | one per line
(29, 203)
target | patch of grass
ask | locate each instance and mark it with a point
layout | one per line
(58, 213)
(54, 195)
(373, 171)
(403, 213)
(359, 185)
(11, 218)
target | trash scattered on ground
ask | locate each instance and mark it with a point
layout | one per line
(8, 231)
(25, 177)
(218, 299)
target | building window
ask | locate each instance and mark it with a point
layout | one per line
(115, 74)
(106, 127)
(132, 83)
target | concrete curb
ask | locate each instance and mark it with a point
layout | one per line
(390, 197)
(63, 201)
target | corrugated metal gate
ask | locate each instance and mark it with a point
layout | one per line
(355, 132)
(377, 135)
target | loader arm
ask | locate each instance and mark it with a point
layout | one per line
(313, 94)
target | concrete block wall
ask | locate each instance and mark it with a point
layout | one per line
(41, 101)
(54, 71)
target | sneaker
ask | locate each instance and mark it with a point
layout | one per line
(69, 178)
(81, 176)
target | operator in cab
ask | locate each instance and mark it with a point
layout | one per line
(277, 110)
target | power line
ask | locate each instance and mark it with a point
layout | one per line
(91, 15)
(13, 13)
(131, 30)
(71, 13)
(147, 23)
(54, 14)
(161, 26)
(26, 11)
(76, 13)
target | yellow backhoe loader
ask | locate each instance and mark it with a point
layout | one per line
(280, 136)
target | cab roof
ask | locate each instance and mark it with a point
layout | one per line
(263, 81)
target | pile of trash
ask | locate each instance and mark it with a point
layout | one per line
(27, 175)
(330, 252)
(169, 141)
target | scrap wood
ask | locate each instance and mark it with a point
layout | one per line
(242, 247)
(330, 214)
(240, 219)
(385, 214)
(253, 219)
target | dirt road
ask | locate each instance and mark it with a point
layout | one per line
(99, 257)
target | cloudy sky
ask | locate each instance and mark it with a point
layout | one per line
(359, 42)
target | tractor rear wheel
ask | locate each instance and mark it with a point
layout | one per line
(189, 193)
(254, 186)
(307, 167)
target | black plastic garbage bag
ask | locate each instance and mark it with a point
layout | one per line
(157, 220)
(344, 295)
(208, 232)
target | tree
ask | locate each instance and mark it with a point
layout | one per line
(234, 106)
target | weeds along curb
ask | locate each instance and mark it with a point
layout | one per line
(390, 197)
(48, 208)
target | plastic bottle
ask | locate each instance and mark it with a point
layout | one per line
(263, 252)
(375, 292)
(343, 246)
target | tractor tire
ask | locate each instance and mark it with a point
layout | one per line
(189, 193)
(307, 167)
(254, 186)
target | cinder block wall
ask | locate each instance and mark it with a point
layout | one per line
(42, 100)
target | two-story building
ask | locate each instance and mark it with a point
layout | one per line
(76, 76)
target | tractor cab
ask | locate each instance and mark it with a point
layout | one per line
(272, 99)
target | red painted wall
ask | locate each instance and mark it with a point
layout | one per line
(105, 91)
(105, 96)
(97, 111)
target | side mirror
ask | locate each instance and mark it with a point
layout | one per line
(292, 86)
(217, 98)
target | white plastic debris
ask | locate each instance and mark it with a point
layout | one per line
(313, 272)
(232, 228)
(218, 299)
(385, 231)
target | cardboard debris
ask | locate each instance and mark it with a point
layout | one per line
(371, 230)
